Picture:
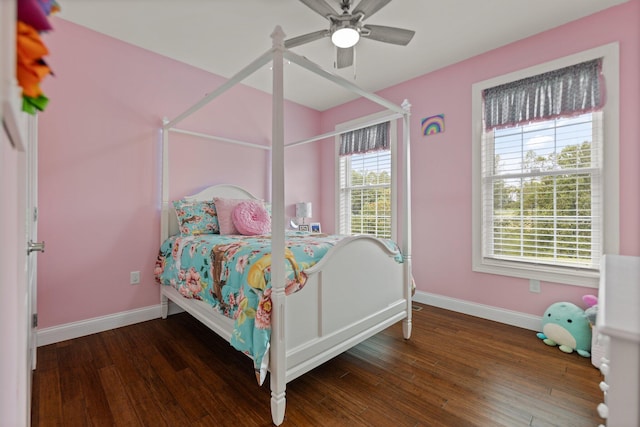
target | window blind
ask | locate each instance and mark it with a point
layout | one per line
(542, 192)
(365, 193)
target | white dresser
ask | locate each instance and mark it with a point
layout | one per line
(618, 325)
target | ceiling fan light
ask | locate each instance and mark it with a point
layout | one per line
(345, 37)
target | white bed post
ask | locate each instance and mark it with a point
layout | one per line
(406, 238)
(278, 347)
(164, 213)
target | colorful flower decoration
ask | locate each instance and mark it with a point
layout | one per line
(31, 67)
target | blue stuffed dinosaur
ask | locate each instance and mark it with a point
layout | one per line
(565, 324)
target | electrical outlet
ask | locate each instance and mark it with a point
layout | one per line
(534, 286)
(134, 277)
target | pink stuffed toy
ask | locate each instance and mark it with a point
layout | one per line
(591, 301)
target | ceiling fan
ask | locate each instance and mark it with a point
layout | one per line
(347, 28)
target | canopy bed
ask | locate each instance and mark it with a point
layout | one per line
(359, 287)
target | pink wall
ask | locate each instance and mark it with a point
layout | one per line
(441, 164)
(99, 172)
(99, 154)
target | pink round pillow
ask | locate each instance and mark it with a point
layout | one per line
(251, 218)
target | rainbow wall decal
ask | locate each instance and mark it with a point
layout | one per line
(432, 125)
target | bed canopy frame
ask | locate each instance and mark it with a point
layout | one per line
(277, 55)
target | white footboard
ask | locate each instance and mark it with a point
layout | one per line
(357, 290)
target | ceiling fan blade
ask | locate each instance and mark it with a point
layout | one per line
(344, 57)
(369, 7)
(321, 7)
(306, 38)
(388, 34)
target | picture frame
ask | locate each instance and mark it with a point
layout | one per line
(303, 227)
(315, 227)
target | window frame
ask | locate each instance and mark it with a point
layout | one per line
(362, 122)
(610, 231)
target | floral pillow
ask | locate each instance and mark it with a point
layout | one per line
(196, 217)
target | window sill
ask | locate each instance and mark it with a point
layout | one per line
(544, 273)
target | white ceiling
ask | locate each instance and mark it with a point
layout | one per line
(223, 36)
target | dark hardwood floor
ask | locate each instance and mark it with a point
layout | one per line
(456, 370)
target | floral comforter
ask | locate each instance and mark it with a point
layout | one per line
(232, 273)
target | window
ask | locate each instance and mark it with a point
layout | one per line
(365, 193)
(541, 195)
(545, 171)
(365, 169)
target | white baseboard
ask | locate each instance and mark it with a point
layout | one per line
(104, 323)
(73, 330)
(509, 317)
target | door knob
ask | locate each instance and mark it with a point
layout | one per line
(35, 246)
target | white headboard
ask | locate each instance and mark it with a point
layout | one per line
(222, 190)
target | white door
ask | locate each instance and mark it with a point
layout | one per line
(33, 246)
(15, 296)
(15, 362)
